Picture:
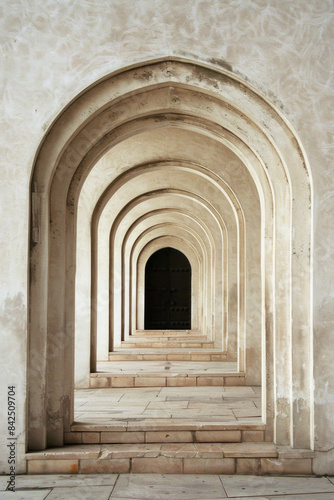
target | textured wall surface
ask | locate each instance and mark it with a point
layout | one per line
(52, 50)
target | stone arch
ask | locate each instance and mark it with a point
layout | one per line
(226, 110)
(181, 242)
(178, 219)
(169, 200)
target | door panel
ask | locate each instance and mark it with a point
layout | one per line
(168, 291)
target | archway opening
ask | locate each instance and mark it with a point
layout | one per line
(168, 291)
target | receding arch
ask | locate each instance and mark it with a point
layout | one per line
(73, 145)
(181, 220)
(154, 240)
(203, 208)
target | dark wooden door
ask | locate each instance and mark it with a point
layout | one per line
(168, 291)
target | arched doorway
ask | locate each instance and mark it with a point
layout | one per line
(168, 291)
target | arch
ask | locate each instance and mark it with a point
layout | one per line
(184, 224)
(198, 206)
(178, 241)
(225, 110)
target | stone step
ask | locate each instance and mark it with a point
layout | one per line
(168, 333)
(165, 431)
(170, 367)
(160, 431)
(163, 379)
(166, 342)
(166, 339)
(169, 355)
(171, 458)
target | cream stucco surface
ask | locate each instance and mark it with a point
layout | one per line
(52, 51)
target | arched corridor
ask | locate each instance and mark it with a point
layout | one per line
(186, 157)
(128, 128)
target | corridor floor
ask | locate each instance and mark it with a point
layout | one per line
(167, 487)
(182, 404)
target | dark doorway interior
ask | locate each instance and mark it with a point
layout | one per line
(168, 291)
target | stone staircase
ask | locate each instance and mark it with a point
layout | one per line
(213, 426)
(167, 339)
(171, 358)
(176, 343)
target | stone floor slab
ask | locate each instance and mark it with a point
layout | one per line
(310, 496)
(199, 404)
(64, 480)
(243, 486)
(25, 495)
(171, 487)
(81, 493)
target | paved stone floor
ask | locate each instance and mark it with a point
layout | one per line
(167, 487)
(189, 404)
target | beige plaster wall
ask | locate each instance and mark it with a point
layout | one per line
(53, 50)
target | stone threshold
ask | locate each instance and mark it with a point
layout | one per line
(165, 436)
(163, 379)
(172, 458)
(168, 333)
(172, 344)
(169, 355)
(161, 424)
(161, 432)
(166, 338)
(142, 337)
